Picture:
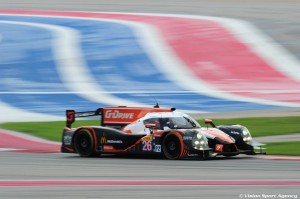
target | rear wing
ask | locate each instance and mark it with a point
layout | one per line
(115, 115)
(71, 115)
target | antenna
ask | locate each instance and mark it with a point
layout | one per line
(156, 105)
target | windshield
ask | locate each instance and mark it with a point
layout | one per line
(173, 123)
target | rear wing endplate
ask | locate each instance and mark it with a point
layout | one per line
(71, 115)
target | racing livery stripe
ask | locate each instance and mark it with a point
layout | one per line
(219, 134)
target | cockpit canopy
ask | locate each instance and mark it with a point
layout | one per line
(174, 120)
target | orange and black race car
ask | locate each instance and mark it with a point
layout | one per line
(154, 131)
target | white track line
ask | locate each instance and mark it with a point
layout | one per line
(10, 149)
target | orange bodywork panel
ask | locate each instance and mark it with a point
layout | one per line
(219, 134)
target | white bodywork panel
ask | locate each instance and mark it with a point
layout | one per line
(138, 126)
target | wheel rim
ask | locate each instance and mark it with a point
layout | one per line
(84, 143)
(172, 147)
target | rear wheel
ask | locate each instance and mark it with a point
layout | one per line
(84, 143)
(171, 146)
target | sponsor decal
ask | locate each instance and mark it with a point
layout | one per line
(235, 132)
(157, 148)
(67, 140)
(147, 138)
(187, 138)
(219, 147)
(114, 141)
(107, 147)
(115, 114)
(70, 116)
(156, 135)
(103, 140)
(147, 146)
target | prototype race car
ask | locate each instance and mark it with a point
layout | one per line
(154, 131)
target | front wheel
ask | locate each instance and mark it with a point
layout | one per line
(171, 146)
(84, 143)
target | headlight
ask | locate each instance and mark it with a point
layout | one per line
(199, 135)
(246, 136)
(196, 142)
(200, 141)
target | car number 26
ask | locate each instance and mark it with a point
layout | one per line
(147, 146)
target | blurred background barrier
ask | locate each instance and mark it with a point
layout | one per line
(52, 61)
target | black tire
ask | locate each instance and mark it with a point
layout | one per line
(84, 143)
(171, 146)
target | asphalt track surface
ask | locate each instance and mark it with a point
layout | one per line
(278, 19)
(26, 175)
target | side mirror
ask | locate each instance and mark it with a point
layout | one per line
(209, 121)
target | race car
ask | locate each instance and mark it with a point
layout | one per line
(163, 132)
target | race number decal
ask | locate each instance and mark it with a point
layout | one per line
(219, 147)
(157, 148)
(147, 146)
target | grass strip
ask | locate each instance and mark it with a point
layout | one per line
(257, 126)
(283, 148)
(265, 126)
(47, 130)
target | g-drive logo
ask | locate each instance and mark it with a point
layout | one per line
(115, 114)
